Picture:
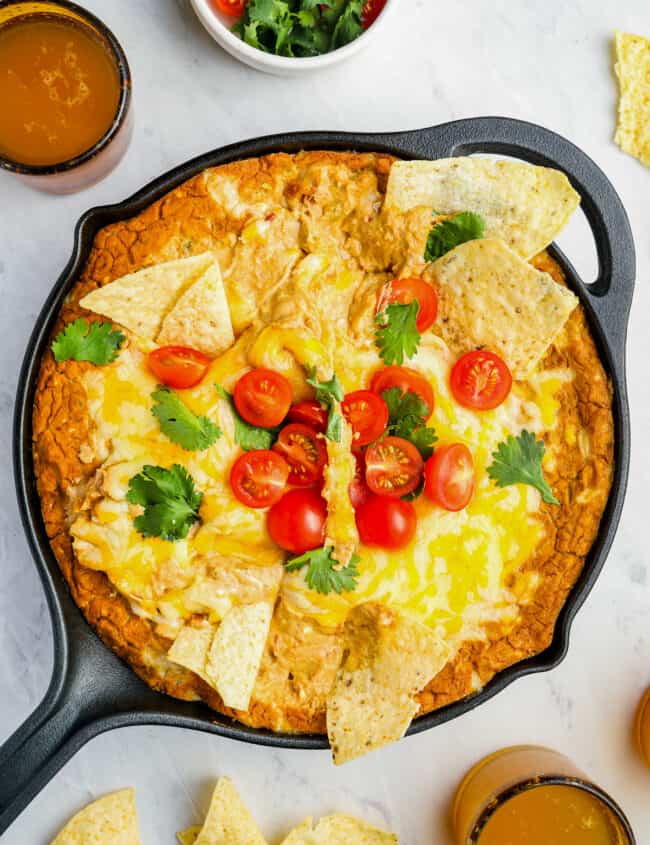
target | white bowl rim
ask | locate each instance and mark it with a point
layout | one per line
(212, 22)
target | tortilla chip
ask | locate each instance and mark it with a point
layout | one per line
(489, 297)
(190, 648)
(188, 836)
(524, 205)
(387, 660)
(338, 829)
(236, 652)
(228, 821)
(633, 72)
(341, 529)
(111, 819)
(200, 318)
(140, 301)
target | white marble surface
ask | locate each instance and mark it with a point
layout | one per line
(545, 62)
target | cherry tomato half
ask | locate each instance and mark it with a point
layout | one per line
(408, 380)
(230, 7)
(258, 478)
(480, 380)
(449, 476)
(263, 397)
(387, 523)
(297, 522)
(367, 413)
(405, 291)
(305, 452)
(371, 11)
(309, 413)
(393, 467)
(178, 366)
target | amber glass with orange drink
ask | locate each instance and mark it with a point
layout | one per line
(642, 728)
(535, 796)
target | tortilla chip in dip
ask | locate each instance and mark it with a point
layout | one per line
(228, 821)
(140, 301)
(387, 660)
(338, 829)
(190, 648)
(633, 72)
(489, 297)
(111, 818)
(200, 318)
(236, 652)
(524, 205)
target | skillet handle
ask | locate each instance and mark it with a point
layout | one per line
(610, 295)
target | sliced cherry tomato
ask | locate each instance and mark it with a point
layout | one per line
(405, 291)
(297, 522)
(393, 467)
(407, 380)
(263, 397)
(367, 413)
(371, 11)
(258, 478)
(305, 452)
(178, 366)
(230, 7)
(358, 490)
(387, 523)
(480, 380)
(309, 413)
(449, 476)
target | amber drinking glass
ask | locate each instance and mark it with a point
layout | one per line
(642, 728)
(65, 88)
(536, 796)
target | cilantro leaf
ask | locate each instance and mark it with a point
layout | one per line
(324, 574)
(444, 236)
(170, 500)
(248, 436)
(329, 394)
(179, 423)
(94, 342)
(397, 335)
(407, 416)
(518, 460)
(348, 26)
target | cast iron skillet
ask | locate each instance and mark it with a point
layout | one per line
(91, 690)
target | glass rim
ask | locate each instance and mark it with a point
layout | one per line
(549, 780)
(123, 105)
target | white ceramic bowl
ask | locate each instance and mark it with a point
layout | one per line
(219, 25)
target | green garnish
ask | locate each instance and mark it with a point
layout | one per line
(324, 573)
(170, 500)
(328, 393)
(518, 460)
(407, 416)
(248, 436)
(83, 341)
(300, 28)
(448, 234)
(180, 424)
(397, 335)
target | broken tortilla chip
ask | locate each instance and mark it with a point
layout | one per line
(388, 659)
(111, 818)
(338, 829)
(228, 821)
(633, 71)
(489, 297)
(190, 648)
(140, 301)
(524, 205)
(236, 652)
(189, 835)
(200, 318)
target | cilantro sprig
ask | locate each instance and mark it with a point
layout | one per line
(329, 394)
(518, 460)
(324, 573)
(396, 335)
(407, 416)
(95, 342)
(170, 500)
(191, 432)
(248, 436)
(448, 234)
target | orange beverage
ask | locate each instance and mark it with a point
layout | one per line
(642, 729)
(535, 796)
